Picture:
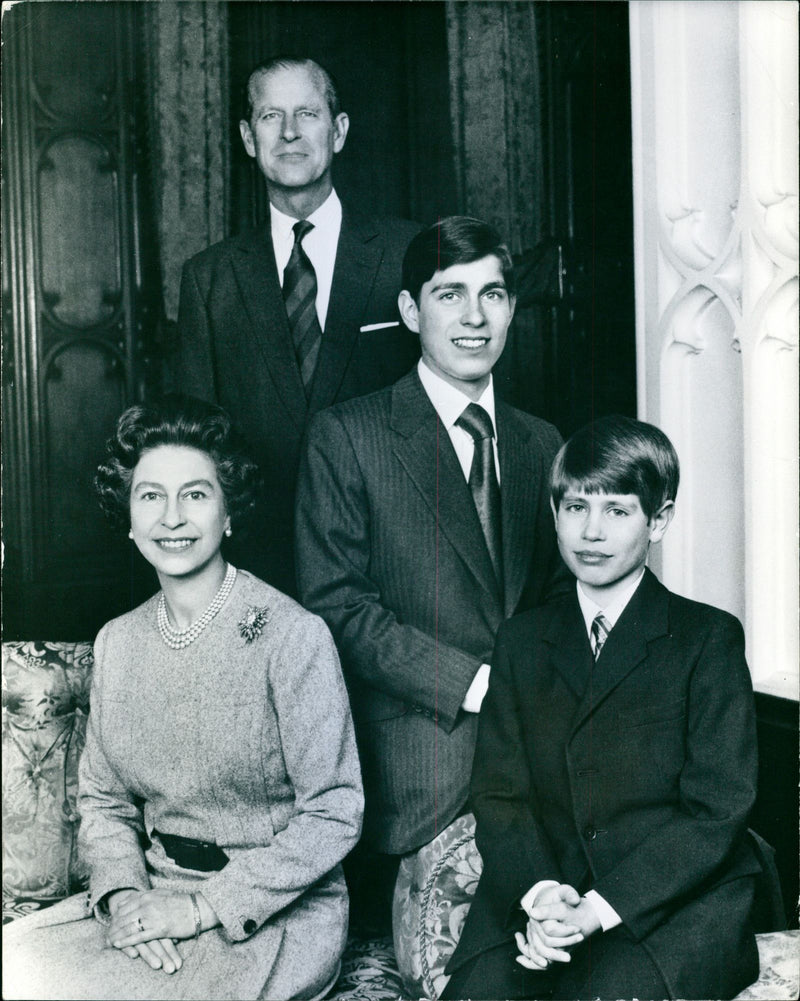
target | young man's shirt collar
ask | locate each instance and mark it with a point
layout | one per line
(320, 245)
(450, 403)
(612, 611)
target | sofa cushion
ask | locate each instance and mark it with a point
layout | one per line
(432, 896)
(369, 972)
(45, 703)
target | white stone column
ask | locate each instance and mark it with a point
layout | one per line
(714, 87)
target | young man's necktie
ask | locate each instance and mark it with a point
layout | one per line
(600, 630)
(300, 296)
(483, 482)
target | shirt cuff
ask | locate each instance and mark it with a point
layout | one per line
(527, 902)
(605, 912)
(477, 690)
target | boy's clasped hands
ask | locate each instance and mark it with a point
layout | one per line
(558, 917)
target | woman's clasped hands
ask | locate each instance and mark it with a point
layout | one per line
(559, 917)
(146, 924)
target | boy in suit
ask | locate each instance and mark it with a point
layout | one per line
(616, 763)
(423, 522)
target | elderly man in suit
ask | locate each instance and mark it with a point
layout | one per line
(278, 323)
(422, 522)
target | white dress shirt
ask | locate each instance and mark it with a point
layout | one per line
(320, 246)
(606, 914)
(450, 404)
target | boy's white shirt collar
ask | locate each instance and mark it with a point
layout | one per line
(590, 609)
(449, 402)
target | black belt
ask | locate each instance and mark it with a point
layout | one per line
(188, 853)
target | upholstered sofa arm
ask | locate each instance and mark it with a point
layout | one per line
(432, 896)
(45, 704)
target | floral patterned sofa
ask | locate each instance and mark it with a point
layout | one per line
(45, 705)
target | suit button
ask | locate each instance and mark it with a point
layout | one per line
(590, 834)
(249, 926)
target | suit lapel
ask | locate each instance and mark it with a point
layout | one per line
(644, 619)
(425, 451)
(257, 278)
(358, 257)
(519, 491)
(568, 642)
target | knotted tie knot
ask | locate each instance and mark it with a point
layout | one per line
(476, 422)
(300, 228)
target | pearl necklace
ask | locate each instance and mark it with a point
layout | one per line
(177, 639)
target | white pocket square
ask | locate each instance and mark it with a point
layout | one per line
(378, 326)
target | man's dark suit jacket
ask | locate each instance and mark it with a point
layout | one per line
(391, 554)
(234, 348)
(633, 777)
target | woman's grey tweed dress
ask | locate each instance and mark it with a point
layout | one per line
(246, 744)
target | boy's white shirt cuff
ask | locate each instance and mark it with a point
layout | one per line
(605, 912)
(528, 901)
(477, 690)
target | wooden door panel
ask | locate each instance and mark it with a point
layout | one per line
(75, 342)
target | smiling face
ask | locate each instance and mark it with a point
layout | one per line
(178, 511)
(291, 134)
(604, 539)
(462, 320)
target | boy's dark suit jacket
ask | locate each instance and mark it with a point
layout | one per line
(234, 348)
(633, 777)
(390, 553)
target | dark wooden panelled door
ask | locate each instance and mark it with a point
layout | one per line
(75, 307)
(590, 347)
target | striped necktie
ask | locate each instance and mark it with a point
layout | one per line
(483, 482)
(300, 296)
(601, 627)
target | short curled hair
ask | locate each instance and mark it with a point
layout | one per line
(176, 420)
(456, 239)
(618, 455)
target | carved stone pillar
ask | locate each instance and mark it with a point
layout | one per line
(715, 206)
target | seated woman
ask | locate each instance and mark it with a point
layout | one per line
(220, 786)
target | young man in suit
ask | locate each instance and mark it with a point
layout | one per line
(278, 323)
(423, 522)
(616, 763)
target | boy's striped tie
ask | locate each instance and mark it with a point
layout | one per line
(600, 630)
